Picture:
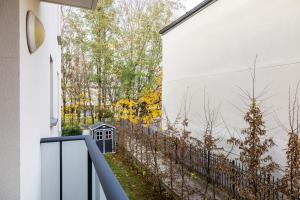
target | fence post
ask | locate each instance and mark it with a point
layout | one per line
(233, 178)
(273, 188)
(208, 165)
(204, 162)
(176, 152)
(191, 165)
(165, 144)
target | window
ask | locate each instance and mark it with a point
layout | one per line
(57, 93)
(108, 134)
(51, 87)
(99, 135)
(53, 120)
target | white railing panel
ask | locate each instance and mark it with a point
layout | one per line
(74, 170)
(98, 193)
(50, 164)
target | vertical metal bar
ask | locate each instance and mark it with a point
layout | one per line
(60, 168)
(90, 178)
(191, 157)
(165, 143)
(207, 153)
(273, 187)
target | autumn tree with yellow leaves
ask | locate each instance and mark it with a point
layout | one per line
(111, 58)
(145, 110)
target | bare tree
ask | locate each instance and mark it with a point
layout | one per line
(254, 147)
(291, 179)
(170, 152)
(211, 118)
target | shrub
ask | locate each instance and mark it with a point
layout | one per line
(71, 131)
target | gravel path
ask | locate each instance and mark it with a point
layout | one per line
(194, 187)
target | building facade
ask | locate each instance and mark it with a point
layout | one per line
(210, 51)
(29, 93)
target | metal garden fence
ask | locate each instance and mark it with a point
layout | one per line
(224, 173)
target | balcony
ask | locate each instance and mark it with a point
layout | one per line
(89, 4)
(73, 168)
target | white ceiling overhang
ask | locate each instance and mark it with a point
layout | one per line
(89, 4)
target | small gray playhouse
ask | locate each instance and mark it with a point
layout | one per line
(105, 137)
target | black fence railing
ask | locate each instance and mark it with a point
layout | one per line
(224, 173)
(228, 174)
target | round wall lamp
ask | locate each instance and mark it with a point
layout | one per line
(35, 32)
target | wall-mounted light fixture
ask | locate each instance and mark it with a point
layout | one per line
(35, 32)
(59, 40)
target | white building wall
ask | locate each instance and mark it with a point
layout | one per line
(35, 94)
(213, 51)
(9, 101)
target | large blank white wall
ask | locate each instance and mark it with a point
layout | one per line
(213, 51)
(35, 94)
(9, 101)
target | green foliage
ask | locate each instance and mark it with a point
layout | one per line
(133, 182)
(111, 54)
(71, 131)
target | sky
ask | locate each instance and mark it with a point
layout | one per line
(189, 4)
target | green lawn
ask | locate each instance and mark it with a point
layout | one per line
(134, 184)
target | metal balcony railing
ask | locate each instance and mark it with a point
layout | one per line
(73, 168)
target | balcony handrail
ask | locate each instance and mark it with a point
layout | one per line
(111, 187)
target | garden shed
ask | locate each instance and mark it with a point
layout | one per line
(104, 135)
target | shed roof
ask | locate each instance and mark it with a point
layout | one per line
(204, 4)
(98, 125)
